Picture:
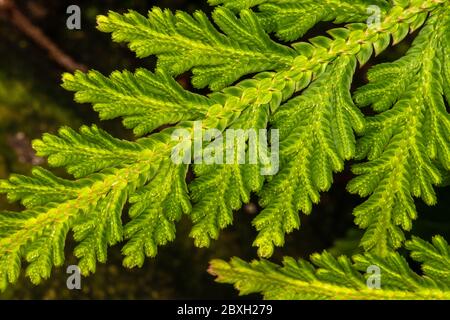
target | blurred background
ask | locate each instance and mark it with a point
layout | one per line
(32, 102)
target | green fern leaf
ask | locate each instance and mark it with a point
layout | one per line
(91, 206)
(291, 19)
(87, 152)
(221, 188)
(316, 138)
(343, 279)
(110, 172)
(407, 145)
(276, 220)
(183, 42)
(145, 100)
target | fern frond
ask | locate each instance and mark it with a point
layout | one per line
(145, 100)
(329, 153)
(148, 179)
(291, 19)
(343, 279)
(41, 188)
(408, 144)
(434, 256)
(154, 211)
(316, 138)
(221, 188)
(89, 151)
(91, 206)
(183, 42)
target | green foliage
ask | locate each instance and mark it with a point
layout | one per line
(407, 144)
(183, 42)
(221, 188)
(340, 278)
(291, 19)
(302, 89)
(92, 205)
(145, 100)
(316, 138)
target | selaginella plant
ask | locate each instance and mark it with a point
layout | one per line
(300, 88)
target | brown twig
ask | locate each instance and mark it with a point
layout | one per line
(18, 19)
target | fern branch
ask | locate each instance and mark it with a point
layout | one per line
(291, 19)
(149, 180)
(91, 206)
(407, 144)
(221, 188)
(183, 42)
(145, 100)
(276, 220)
(342, 279)
(323, 137)
(316, 138)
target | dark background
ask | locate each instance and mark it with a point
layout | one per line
(32, 102)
